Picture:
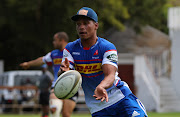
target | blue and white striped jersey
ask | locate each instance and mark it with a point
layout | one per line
(89, 61)
(54, 58)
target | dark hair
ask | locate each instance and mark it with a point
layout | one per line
(62, 35)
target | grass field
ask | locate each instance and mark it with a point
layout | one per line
(150, 114)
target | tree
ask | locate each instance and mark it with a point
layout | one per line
(151, 12)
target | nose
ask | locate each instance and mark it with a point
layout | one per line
(81, 26)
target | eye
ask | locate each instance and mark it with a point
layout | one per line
(86, 22)
(78, 24)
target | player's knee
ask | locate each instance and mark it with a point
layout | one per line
(53, 110)
(55, 107)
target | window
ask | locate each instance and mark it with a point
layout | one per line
(25, 80)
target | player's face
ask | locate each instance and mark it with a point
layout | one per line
(57, 43)
(86, 28)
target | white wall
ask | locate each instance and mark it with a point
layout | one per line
(174, 33)
(148, 90)
(147, 87)
(175, 61)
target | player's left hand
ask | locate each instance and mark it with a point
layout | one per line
(100, 93)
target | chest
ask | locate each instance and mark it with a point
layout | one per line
(87, 56)
(88, 61)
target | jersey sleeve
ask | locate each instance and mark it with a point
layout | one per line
(67, 54)
(110, 56)
(47, 59)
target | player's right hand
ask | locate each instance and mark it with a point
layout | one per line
(64, 67)
(25, 65)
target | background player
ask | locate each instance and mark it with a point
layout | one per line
(54, 58)
(96, 59)
(45, 82)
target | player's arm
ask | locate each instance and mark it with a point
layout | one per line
(100, 91)
(36, 62)
(109, 72)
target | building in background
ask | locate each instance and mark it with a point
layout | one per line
(145, 64)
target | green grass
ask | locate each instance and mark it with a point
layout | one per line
(150, 114)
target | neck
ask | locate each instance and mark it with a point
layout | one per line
(62, 47)
(89, 42)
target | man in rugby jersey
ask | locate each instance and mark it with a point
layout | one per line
(54, 58)
(96, 59)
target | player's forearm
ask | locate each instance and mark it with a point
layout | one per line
(107, 82)
(109, 76)
(36, 62)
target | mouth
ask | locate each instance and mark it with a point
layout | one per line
(82, 33)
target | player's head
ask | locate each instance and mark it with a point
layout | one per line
(86, 22)
(60, 40)
(44, 68)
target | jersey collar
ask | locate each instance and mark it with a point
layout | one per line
(85, 48)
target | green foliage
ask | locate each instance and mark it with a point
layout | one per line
(151, 12)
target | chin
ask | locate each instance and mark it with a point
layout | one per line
(84, 38)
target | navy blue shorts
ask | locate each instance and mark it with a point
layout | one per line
(130, 106)
(75, 97)
(44, 98)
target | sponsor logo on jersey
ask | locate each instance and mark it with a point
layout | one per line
(88, 68)
(135, 113)
(65, 55)
(96, 52)
(57, 61)
(95, 57)
(113, 57)
(76, 53)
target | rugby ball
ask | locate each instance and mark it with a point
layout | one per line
(67, 84)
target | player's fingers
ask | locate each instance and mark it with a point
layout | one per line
(66, 62)
(106, 96)
(22, 65)
(107, 99)
(95, 96)
(98, 98)
(103, 98)
(60, 72)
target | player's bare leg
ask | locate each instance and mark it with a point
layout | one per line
(55, 105)
(68, 107)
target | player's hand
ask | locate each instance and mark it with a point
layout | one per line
(100, 93)
(64, 67)
(25, 65)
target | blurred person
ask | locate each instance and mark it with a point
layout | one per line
(96, 59)
(45, 82)
(8, 99)
(54, 58)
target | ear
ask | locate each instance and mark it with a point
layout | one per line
(96, 25)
